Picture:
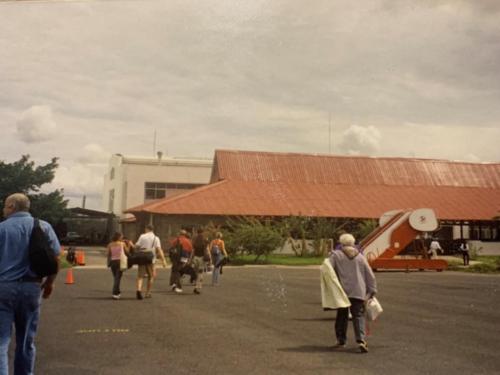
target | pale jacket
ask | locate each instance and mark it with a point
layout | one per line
(332, 294)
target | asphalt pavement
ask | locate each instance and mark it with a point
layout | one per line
(267, 320)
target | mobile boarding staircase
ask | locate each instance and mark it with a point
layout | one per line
(396, 230)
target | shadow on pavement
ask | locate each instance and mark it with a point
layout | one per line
(325, 319)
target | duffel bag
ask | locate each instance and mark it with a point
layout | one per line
(140, 258)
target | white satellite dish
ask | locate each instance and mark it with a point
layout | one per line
(423, 220)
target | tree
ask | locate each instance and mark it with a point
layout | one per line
(23, 176)
(364, 228)
(253, 236)
(318, 230)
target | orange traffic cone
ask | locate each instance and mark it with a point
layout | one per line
(69, 276)
(80, 258)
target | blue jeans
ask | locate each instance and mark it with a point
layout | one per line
(216, 258)
(358, 321)
(19, 307)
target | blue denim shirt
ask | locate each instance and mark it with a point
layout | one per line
(15, 234)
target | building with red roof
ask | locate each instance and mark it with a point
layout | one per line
(270, 184)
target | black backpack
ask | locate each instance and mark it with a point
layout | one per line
(175, 251)
(42, 258)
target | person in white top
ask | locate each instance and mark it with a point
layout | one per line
(148, 241)
(434, 247)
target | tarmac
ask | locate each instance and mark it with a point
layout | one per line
(266, 320)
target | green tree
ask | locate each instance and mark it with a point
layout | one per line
(364, 228)
(297, 229)
(252, 236)
(23, 176)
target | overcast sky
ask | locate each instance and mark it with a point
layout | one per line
(82, 80)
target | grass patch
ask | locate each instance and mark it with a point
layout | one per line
(454, 265)
(277, 259)
(487, 264)
(64, 263)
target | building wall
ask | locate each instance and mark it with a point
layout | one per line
(486, 248)
(131, 175)
(115, 183)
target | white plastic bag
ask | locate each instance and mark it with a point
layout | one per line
(373, 309)
(123, 261)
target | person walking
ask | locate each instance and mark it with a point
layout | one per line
(434, 247)
(148, 242)
(20, 287)
(180, 255)
(464, 248)
(358, 282)
(116, 248)
(200, 251)
(218, 253)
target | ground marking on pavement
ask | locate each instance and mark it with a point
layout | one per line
(103, 330)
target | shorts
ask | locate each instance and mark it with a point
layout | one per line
(198, 264)
(145, 270)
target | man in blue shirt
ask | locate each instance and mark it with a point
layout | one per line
(20, 287)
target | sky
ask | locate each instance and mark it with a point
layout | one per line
(82, 80)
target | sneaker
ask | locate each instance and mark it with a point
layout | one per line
(339, 345)
(196, 291)
(148, 295)
(116, 296)
(363, 347)
(138, 294)
(177, 290)
(173, 286)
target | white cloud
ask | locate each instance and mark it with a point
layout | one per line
(78, 180)
(93, 153)
(358, 140)
(36, 124)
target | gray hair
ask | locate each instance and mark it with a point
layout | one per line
(347, 239)
(19, 201)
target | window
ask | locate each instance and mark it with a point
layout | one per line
(158, 190)
(112, 173)
(154, 190)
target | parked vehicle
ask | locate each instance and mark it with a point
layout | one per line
(72, 238)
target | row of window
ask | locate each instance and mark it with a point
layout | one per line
(158, 190)
(154, 190)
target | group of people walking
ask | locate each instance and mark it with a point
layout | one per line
(191, 257)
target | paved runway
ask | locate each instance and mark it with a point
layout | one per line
(268, 320)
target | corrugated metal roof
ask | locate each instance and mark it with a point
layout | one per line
(357, 201)
(353, 170)
(271, 184)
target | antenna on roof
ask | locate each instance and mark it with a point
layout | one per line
(329, 132)
(154, 143)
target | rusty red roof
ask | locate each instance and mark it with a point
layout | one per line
(281, 184)
(352, 170)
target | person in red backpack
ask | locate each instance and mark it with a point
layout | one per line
(181, 253)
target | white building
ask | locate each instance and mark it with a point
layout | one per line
(130, 182)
